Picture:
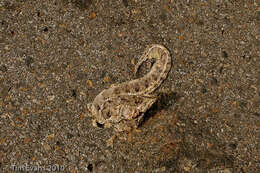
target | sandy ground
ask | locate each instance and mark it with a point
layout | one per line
(57, 55)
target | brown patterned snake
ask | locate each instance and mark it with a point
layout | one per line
(123, 105)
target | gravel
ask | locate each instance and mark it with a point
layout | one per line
(57, 55)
